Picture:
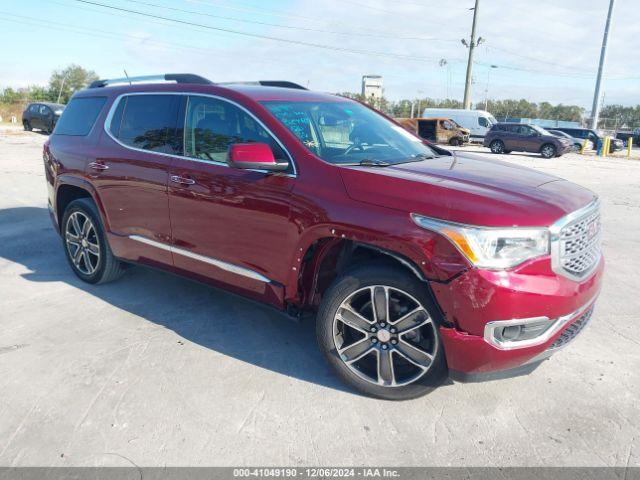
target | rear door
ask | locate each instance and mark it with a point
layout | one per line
(130, 172)
(509, 135)
(230, 225)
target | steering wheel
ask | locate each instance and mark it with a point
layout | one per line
(351, 148)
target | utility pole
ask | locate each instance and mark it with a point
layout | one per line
(61, 87)
(595, 109)
(473, 44)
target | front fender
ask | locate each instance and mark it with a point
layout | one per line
(428, 254)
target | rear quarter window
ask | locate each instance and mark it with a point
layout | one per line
(79, 116)
(148, 122)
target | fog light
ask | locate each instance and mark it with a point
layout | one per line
(512, 332)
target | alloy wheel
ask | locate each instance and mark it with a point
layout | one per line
(82, 243)
(385, 336)
(497, 147)
(548, 151)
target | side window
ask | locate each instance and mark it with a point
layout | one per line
(43, 110)
(447, 125)
(148, 122)
(212, 125)
(483, 122)
(33, 108)
(79, 116)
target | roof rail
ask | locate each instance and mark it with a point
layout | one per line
(167, 77)
(268, 83)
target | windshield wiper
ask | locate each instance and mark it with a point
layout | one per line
(424, 156)
(368, 162)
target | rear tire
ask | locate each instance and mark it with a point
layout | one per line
(86, 246)
(404, 357)
(497, 146)
(548, 150)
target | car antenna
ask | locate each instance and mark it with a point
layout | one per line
(126, 75)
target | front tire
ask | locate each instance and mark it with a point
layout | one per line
(497, 146)
(377, 328)
(86, 246)
(548, 150)
(455, 142)
(27, 126)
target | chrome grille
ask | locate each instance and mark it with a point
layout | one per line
(577, 249)
(572, 330)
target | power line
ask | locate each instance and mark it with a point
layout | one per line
(533, 59)
(256, 35)
(291, 27)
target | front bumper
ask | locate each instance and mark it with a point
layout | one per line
(566, 148)
(478, 299)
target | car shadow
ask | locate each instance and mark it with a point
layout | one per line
(217, 320)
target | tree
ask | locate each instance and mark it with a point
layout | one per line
(64, 83)
(621, 116)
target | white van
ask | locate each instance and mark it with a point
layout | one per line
(477, 121)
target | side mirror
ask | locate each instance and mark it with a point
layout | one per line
(252, 156)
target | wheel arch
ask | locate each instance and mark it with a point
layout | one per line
(70, 188)
(328, 257)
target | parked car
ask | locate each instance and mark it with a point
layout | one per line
(592, 135)
(577, 142)
(478, 122)
(436, 130)
(42, 116)
(417, 263)
(624, 136)
(507, 137)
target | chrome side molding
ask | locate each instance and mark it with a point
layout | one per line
(229, 267)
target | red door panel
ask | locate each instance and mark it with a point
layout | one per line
(133, 188)
(232, 225)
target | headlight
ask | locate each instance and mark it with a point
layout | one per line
(58, 112)
(488, 247)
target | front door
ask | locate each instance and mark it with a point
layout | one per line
(530, 139)
(130, 172)
(230, 225)
(36, 119)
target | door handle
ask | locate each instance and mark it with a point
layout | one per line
(98, 166)
(182, 180)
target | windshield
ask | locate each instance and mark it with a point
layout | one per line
(348, 133)
(540, 130)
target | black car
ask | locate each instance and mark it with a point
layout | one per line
(42, 115)
(590, 134)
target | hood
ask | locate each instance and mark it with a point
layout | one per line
(465, 131)
(468, 189)
(557, 138)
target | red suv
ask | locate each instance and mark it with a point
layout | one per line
(418, 263)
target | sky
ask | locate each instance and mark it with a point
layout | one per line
(543, 50)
